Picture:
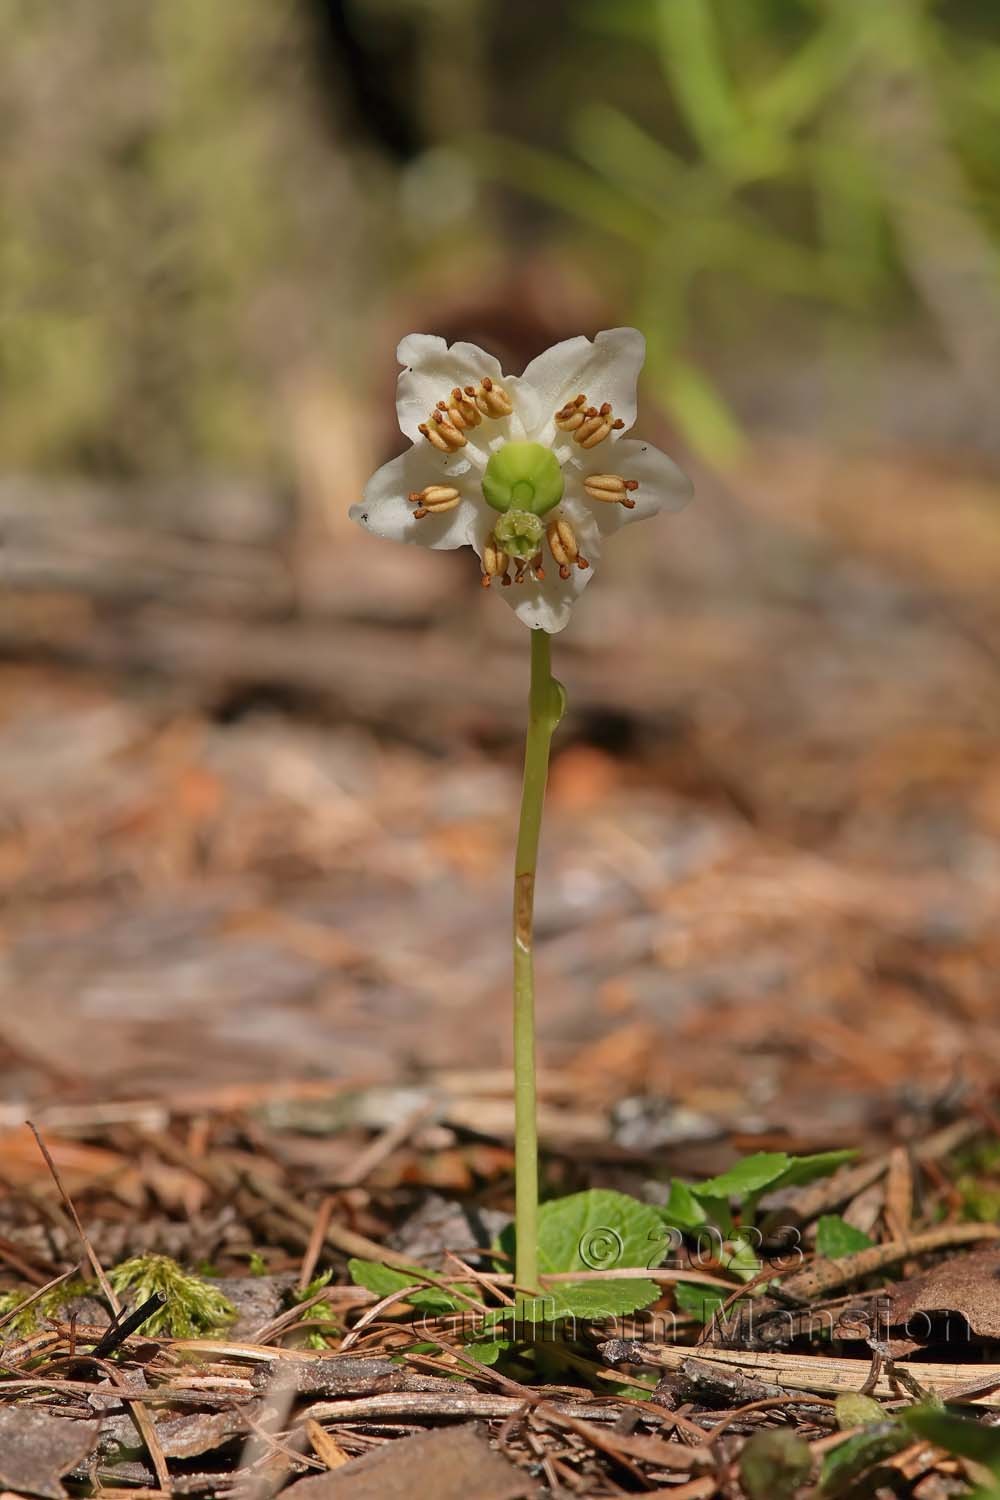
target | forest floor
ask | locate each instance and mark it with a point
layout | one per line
(256, 813)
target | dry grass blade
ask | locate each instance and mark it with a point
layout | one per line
(103, 1281)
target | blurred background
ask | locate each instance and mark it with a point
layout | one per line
(258, 772)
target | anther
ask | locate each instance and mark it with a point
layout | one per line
(460, 411)
(491, 399)
(435, 499)
(563, 546)
(495, 563)
(589, 425)
(594, 430)
(612, 488)
(441, 433)
(571, 416)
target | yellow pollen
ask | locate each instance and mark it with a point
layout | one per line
(435, 499)
(612, 488)
(587, 424)
(563, 546)
(441, 434)
(446, 426)
(495, 563)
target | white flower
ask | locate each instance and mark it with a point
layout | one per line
(531, 470)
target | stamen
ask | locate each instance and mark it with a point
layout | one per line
(435, 499)
(492, 400)
(441, 434)
(588, 425)
(571, 415)
(445, 428)
(611, 487)
(460, 410)
(563, 546)
(495, 563)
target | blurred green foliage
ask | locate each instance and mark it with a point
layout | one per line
(197, 209)
(728, 156)
(167, 249)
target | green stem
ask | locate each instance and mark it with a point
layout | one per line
(546, 702)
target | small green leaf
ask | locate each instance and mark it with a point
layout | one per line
(741, 1257)
(958, 1435)
(701, 1302)
(855, 1410)
(682, 1209)
(843, 1464)
(805, 1169)
(384, 1280)
(487, 1351)
(835, 1237)
(747, 1176)
(774, 1464)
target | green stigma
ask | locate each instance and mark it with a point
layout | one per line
(525, 477)
(519, 532)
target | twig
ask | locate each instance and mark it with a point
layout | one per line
(105, 1284)
(121, 1330)
(816, 1372)
(824, 1275)
(314, 1247)
(147, 1430)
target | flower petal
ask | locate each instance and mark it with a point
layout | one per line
(605, 370)
(548, 604)
(385, 510)
(431, 371)
(662, 485)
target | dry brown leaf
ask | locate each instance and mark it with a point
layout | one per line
(931, 1307)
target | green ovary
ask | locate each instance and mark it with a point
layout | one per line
(524, 477)
(519, 533)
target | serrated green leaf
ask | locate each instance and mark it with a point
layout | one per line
(843, 1464)
(835, 1237)
(958, 1435)
(599, 1230)
(774, 1464)
(384, 1280)
(594, 1300)
(748, 1176)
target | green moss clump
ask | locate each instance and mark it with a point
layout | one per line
(191, 1308)
(48, 1307)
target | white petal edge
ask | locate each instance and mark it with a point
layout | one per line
(385, 511)
(662, 485)
(432, 369)
(548, 605)
(606, 369)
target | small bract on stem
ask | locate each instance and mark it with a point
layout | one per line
(534, 473)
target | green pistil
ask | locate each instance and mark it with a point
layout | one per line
(525, 477)
(519, 533)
